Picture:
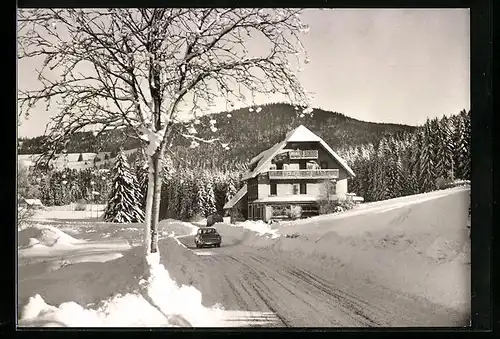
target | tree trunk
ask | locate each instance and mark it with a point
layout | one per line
(149, 205)
(155, 208)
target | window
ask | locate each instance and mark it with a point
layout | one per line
(285, 166)
(272, 167)
(303, 188)
(273, 189)
(310, 165)
(332, 187)
(295, 188)
(250, 211)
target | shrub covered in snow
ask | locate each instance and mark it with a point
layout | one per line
(336, 206)
(115, 293)
(81, 205)
(23, 217)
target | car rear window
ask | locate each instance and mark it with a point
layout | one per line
(206, 231)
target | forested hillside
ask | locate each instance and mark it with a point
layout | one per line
(389, 160)
(423, 161)
(248, 131)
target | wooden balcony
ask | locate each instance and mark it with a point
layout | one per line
(304, 174)
(303, 154)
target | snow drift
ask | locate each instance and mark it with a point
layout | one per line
(44, 235)
(259, 227)
(418, 245)
(113, 293)
(172, 227)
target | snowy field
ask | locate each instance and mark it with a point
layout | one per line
(77, 272)
(74, 270)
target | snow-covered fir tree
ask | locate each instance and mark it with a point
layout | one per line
(426, 165)
(201, 197)
(230, 190)
(465, 148)
(123, 205)
(444, 154)
(458, 152)
(210, 197)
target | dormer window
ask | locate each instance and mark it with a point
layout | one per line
(272, 167)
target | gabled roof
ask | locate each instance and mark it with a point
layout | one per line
(33, 202)
(237, 197)
(300, 134)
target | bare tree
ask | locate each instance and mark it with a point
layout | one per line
(144, 69)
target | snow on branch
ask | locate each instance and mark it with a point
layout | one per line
(141, 68)
(195, 139)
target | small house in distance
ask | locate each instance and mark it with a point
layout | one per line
(290, 179)
(30, 203)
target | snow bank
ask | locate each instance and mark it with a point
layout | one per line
(179, 228)
(259, 227)
(115, 293)
(45, 235)
(417, 245)
(115, 312)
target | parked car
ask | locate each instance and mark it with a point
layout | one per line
(207, 236)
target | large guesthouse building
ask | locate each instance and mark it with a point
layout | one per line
(290, 179)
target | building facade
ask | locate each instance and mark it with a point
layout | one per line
(290, 179)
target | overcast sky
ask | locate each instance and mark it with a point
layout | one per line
(381, 65)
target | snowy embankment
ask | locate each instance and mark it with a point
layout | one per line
(259, 227)
(66, 280)
(114, 293)
(92, 212)
(418, 245)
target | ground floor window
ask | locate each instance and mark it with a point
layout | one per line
(256, 212)
(273, 189)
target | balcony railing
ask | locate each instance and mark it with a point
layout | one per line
(304, 174)
(303, 154)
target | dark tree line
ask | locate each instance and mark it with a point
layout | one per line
(198, 182)
(197, 193)
(188, 191)
(436, 154)
(248, 130)
(57, 188)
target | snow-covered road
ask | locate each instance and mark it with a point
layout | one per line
(401, 262)
(298, 293)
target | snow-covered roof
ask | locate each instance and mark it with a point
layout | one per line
(33, 202)
(300, 134)
(289, 198)
(73, 157)
(237, 197)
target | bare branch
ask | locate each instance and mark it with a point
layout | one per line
(139, 68)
